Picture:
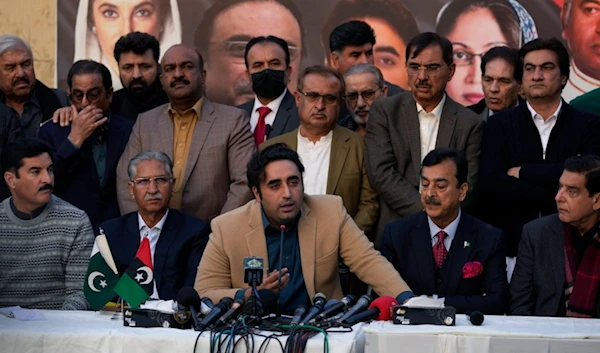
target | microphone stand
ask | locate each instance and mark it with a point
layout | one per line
(283, 228)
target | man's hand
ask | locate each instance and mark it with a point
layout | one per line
(84, 123)
(514, 172)
(270, 282)
(63, 116)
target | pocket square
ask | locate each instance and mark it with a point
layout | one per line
(472, 269)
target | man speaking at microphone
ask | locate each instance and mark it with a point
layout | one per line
(318, 231)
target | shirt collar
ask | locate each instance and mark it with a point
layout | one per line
(266, 222)
(197, 107)
(159, 225)
(26, 216)
(535, 115)
(450, 229)
(273, 105)
(437, 111)
(324, 139)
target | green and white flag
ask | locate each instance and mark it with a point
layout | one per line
(102, 275)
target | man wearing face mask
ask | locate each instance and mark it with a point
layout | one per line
(273, 111)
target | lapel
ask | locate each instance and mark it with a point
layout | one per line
(412, 128)
(255, 238)
(167, 234)
(459, 254)
(290, 139)
(447, 123)
(201, 131)
(423, 253)
(131, 240)
(307, 238)
(283, 115)
(88, 154)
(337, 158)
(555, 241)
(485, 113)
(163, 137)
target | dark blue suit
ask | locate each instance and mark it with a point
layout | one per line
(178, 251)
(75, 174)
(407, 244)
(286, 118)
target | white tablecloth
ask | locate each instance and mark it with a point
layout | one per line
(498, 334)
(82, 332)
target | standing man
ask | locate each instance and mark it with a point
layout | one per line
(87, 151)
(364, 84)
(273, 111)
(559, 255)
(10, 130)
(404, 128)
(19, 89)
(209, 143)
(524, 148)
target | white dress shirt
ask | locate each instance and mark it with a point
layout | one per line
(315, 158)
(544, 126)
(450, 231)
(578, 84)
(270, 118)
(429, 124)
(152, 235)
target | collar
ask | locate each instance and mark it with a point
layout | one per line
(26, 216)
(197, 107)
(159, 225)
(491, 112)
(267, 224)
(322, 141)
(450, 229)
(535, 115)
(273, 105)
(33, 100)
(437, 111)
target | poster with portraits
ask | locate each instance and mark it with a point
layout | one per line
(220, 29)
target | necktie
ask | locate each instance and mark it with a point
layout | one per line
(261, 128)
(439, 250)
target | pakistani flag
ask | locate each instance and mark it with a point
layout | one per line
(137, 283)
(102, 275)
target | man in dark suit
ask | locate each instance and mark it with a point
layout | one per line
(524, 148)
(445, 251)
(87, 151)
(402, 129)
(177, 240)
(10, 130)
(559, 255)
(273, 111)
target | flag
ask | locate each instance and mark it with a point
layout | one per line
(137, 283)
(101, 276)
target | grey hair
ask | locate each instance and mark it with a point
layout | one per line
(149, 156)
(10, 41)
(366, 69)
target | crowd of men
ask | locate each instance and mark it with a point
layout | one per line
(407, 192)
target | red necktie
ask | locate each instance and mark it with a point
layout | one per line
(261, 128)
(439, 250)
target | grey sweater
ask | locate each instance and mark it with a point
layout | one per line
(43, 261)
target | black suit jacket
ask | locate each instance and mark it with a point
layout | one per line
(511, 139)
(177, 254)
(406, 243)
(10, 130)
(286, 119)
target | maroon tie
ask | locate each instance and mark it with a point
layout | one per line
(261, 128)
(439, 250)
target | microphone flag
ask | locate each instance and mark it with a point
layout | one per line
(101, 276)
(137, 283)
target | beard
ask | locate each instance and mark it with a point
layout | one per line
(144, 92)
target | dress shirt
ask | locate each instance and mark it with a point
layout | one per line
(183, 130)
(32, 116)
(450, 231)
(152, 234)
(269, 118)
(429, 124)
(544, 126)
(315, 158)
(578, 83)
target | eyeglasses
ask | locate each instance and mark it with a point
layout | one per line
(92, 96)
(314, 97)
(430, 69)
(236, 50)
(366, 95)
(464, 58)
(145, 182)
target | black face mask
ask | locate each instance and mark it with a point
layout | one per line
(268, 83)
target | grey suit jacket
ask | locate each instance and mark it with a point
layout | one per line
(393, 150)
(215, 172)
(286, 118)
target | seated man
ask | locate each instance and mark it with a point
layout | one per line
(45, 242)
(319, 231)
(445, 251)
(545, 281)
(177, 240)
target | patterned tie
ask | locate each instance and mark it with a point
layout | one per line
(439, 250)
(261, 128)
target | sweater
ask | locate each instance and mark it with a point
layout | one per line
(43, 261)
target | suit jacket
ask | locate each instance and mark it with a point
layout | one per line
(214, 180)
(75, 174)
(393, 150)
(511, 139)
(407, 245)
(325, 233)
(286, 118)
(178, 251)
(482, 109)
(347, 176)
(538, 282)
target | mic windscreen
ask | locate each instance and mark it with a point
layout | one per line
(188, 297)
(385, 305)
(476, 317)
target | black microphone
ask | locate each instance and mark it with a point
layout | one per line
(336, 308)
(362, 303)
(264, 304)
(364, 316)
(268, 129)
(318, 303)
(231, 313)
(298, 313)
(283, 229)
(189, 298)
(223, 305)
(476, 317)
(206, 306)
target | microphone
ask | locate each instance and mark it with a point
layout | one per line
(231, 313)
(364, 316)
(298, 313)
(335, 308)
(206, 306)
(385, 305)
(360, 305)
(187, 297)
(283, 228)
(268, 129)
(476, 317)
(263, 303)
(319, 302)
(223, 305)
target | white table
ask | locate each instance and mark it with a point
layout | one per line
(82, 332)
(498, 334)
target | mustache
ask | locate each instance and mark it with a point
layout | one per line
(150, 197)
(138, 81)
(432, 201)
(179, 80)
(18, 80)
(47, 187)
(362, 110)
